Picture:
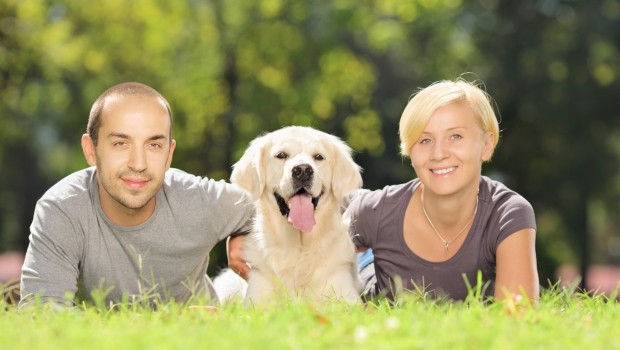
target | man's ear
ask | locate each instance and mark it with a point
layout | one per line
(88, 147)
(173, 144)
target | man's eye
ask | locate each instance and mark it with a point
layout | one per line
(281, 155)
(155, 145)
(119, 144)
(318, 156)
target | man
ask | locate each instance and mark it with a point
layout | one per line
(129, 227)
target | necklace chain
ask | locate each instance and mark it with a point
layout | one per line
(445, 242)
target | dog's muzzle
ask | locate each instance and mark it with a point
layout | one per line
(285, 210)
(299, 210)
(303, 174)
(300, 206)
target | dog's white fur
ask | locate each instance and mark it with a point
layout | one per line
(314, 265)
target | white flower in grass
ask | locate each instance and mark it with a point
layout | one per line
(518, 299)
(392, 322)
(361, 334)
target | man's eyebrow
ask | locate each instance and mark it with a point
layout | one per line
(157, 137)
(125, 136)
(122, 136)
(118, 135)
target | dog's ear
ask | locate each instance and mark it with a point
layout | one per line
(249, 171)
(346, 176)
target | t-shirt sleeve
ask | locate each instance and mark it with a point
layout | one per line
(230, 207)
(51, 266)
(515, 214)
(362, 215)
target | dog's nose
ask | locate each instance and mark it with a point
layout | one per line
(302, 171)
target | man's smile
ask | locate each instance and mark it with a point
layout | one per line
(135, 183)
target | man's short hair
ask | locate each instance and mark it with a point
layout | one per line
(123, 89)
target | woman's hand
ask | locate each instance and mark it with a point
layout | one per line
(516, 266)
(236, 262)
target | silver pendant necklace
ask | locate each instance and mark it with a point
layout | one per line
(445, 242)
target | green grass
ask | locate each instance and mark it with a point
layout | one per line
(562, 320)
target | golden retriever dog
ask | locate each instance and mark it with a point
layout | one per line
(300, 246)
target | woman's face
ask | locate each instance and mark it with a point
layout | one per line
(449, 154)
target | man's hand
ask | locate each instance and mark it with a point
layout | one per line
(234, 250)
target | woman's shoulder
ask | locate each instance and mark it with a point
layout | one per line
(505, 210)
(501, 197)
(497, 190)
(388, 194)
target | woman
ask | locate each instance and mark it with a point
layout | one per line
(434, 233)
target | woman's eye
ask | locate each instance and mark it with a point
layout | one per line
(318, 157)
(281, 155)
(425, 141)
(456, 137)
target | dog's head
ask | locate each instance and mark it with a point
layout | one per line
(296, 167)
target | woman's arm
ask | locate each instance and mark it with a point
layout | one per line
(516, 266)
(234, 250)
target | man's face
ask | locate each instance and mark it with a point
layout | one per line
(133, 152)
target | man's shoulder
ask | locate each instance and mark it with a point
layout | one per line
(179, 182)
(73, 195)
(174, 176)
(73, 185)
(177, 179)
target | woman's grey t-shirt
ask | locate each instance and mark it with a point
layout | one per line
(75, 248)
(377, 219)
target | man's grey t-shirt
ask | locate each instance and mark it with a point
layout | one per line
(74, 245)
(377, 219)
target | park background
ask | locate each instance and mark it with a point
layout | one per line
(234, 69)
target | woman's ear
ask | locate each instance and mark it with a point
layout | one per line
(88, 147)
(489, 144)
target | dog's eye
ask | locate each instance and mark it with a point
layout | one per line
(281, 155)
(319, 157)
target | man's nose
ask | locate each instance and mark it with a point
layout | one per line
(137, 159)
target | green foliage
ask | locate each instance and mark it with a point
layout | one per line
(235, 69)
(562, 319)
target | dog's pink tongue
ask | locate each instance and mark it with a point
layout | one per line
(301, 213)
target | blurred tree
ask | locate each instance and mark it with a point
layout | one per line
(232, 70)
(555, 82)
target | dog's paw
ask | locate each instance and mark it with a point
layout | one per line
(229, 286)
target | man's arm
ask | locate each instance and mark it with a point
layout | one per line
(50, 270)
(237, 205)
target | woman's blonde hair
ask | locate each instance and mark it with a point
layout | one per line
(425, 102)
